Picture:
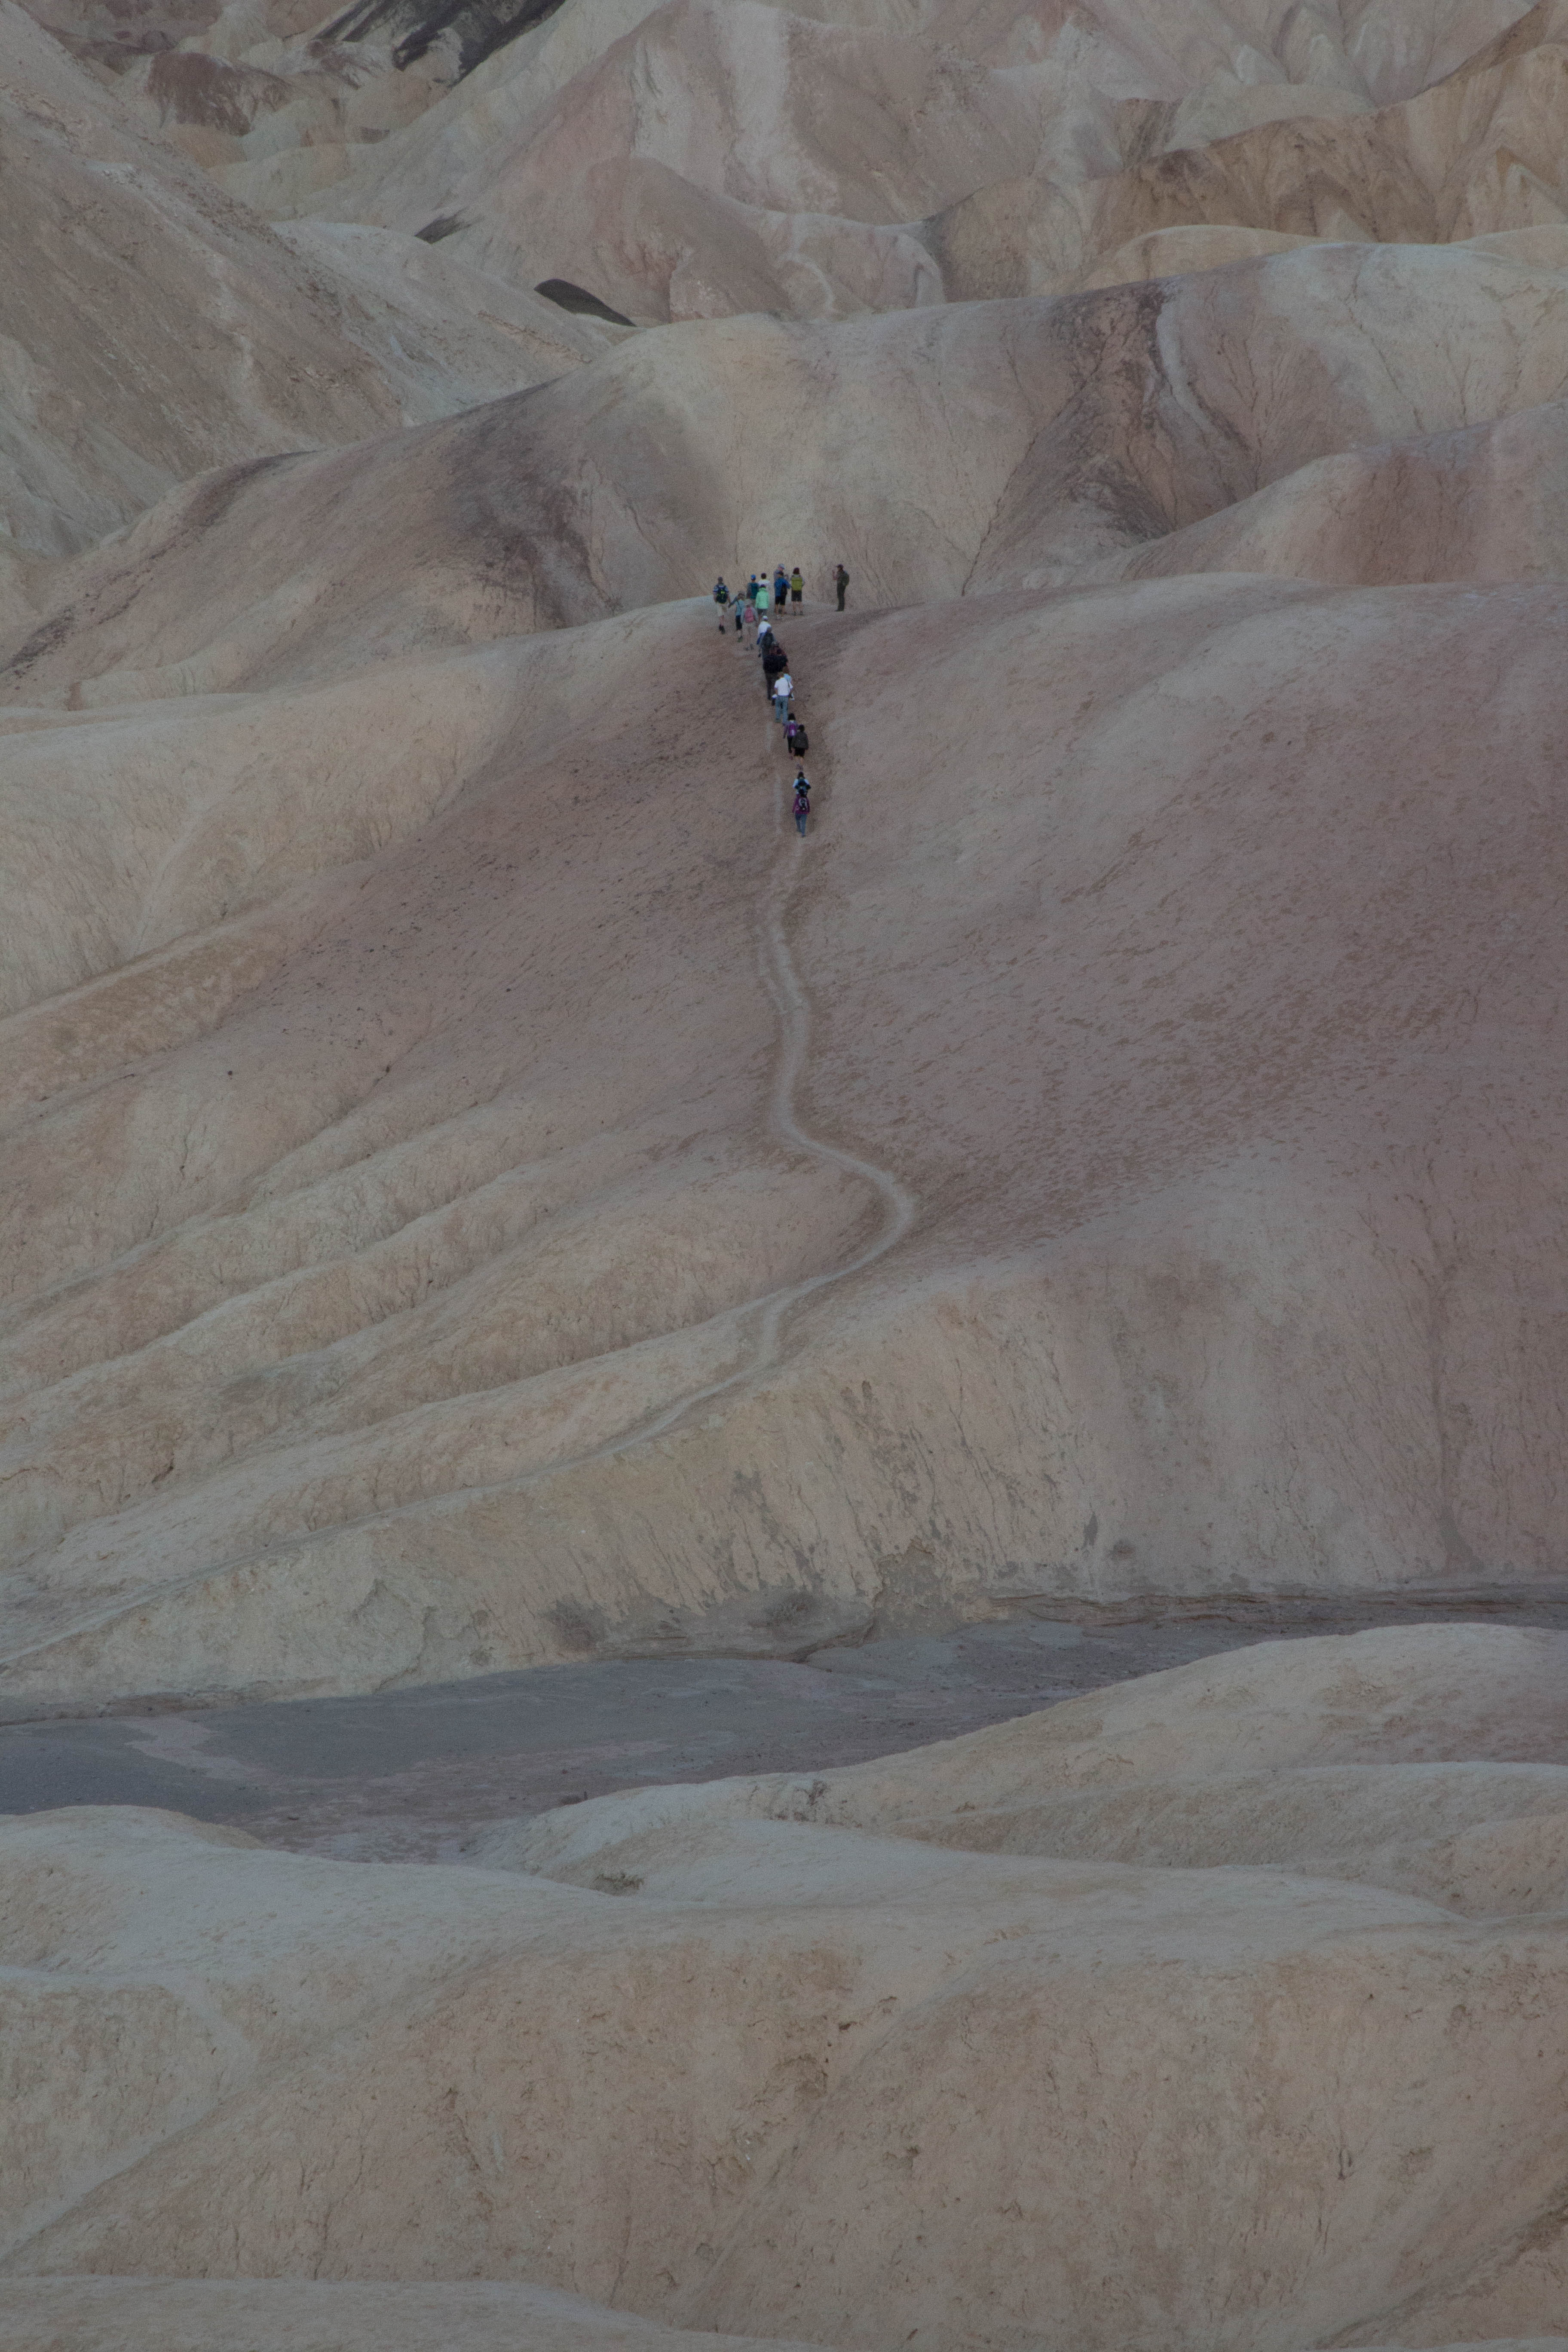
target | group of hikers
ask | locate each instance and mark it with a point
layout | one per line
(751, 611)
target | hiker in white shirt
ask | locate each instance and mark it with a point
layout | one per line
(783, 686)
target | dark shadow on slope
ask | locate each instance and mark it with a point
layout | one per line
(480, 27)
(577, 300)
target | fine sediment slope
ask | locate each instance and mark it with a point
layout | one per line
(154, 329)
(330, 2316)
(481, 1191)
(694, 161)
(690, 160)
(478, 1195)
(1111, 420)
(810, 2058)
(340, 1392)
(1484, 503)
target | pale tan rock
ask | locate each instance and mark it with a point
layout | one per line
(153, 329)
(497, 1268)
(441, 1343)
(1406, 1709)
(1476, 153)
(325, 2316)
(733, 2030)
(660, 177)
(601, 491)
(480, 1192)
(1479, 504)
(444, 336)
(687, 161)
(695, 160)
(1177, 252)
(324, 1399)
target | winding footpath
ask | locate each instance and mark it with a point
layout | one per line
(791, 1002)
(759, 1322)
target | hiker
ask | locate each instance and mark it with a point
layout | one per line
(747, 612)
(841, 581)
(741, 608)
(774, 664)
(761, 598)
(721, 598)
(797, 740)
(796, 586)
(764, 631)
(801, 801)
(783, 686)
(781, 587)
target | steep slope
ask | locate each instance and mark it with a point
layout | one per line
(154, 329)
(150, 332)
(1482, 152)
(482, 1188)
(1109, 421)
(368, 1379)
(721, 159)
(466, 1324)
(1483, 503)
(693, 160)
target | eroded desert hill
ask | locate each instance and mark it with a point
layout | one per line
(482, 1191)
(515, 1207)
(1219, 2010)
(707, 157)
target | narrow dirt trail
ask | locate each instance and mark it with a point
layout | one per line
(792, 1004)
(759, 1323)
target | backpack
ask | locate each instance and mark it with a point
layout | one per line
(799, 741)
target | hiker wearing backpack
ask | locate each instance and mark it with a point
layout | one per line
(797, 588)
(801, 801)
(797, 740)
(783, 686)
(722, 598)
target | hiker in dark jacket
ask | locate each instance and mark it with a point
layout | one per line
(841, 581)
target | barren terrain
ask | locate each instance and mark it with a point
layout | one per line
(968, 1406)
